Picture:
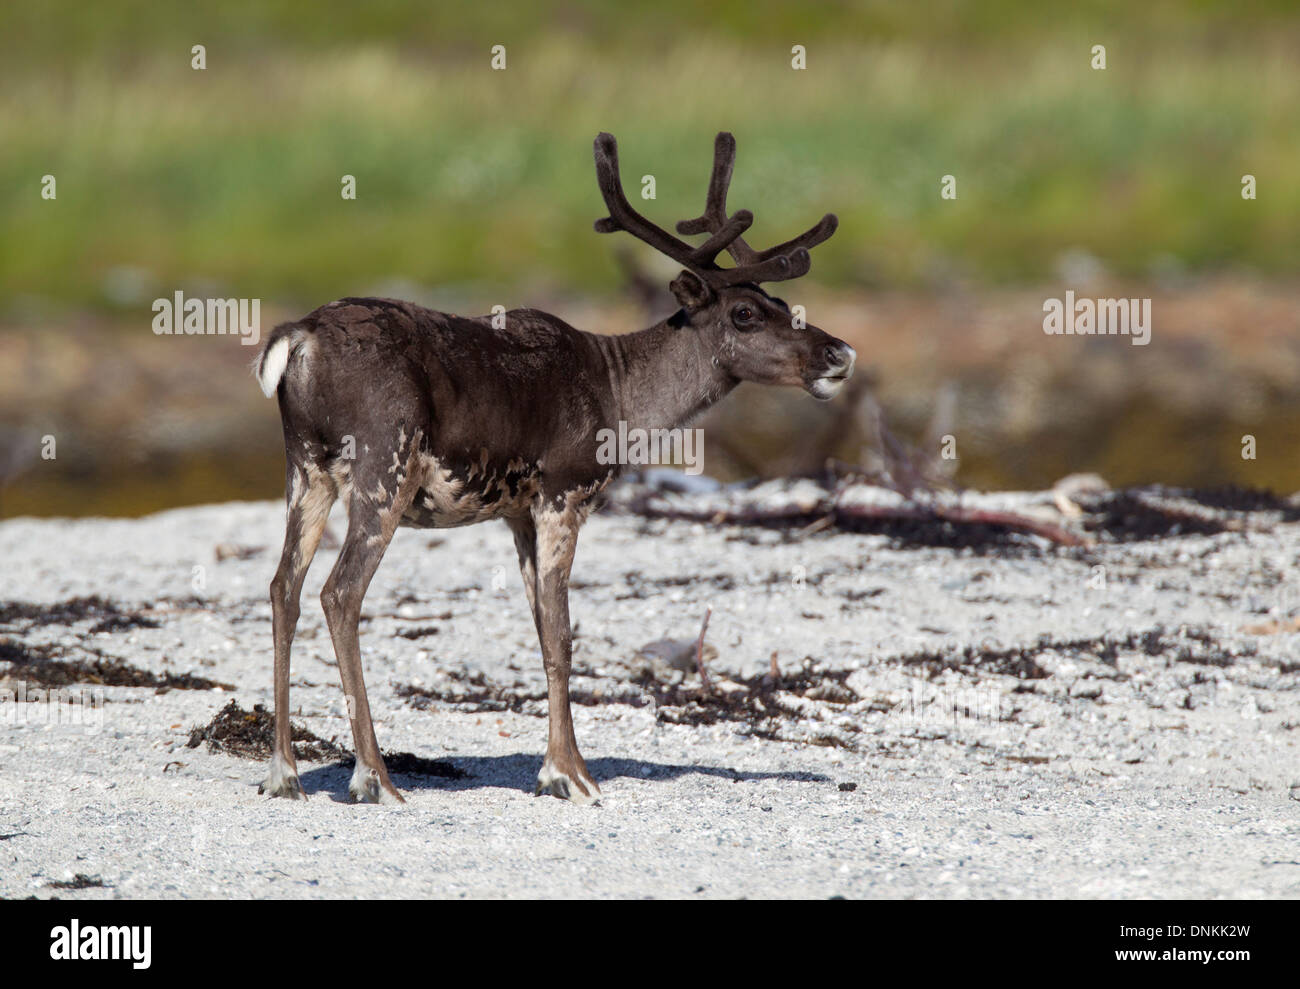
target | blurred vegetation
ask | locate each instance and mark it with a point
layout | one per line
(229, 178)
(476, 187)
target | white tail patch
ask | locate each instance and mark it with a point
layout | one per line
(270, 369)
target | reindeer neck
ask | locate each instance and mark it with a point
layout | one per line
(663, 376)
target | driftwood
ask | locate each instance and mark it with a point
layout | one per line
(968, 516)
(834, 511)
(1077, 512)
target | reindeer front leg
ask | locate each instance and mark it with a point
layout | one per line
(564, 773)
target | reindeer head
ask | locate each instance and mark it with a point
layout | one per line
(750, 335)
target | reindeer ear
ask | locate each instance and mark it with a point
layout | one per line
(692, 291)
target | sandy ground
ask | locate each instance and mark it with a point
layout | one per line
(982, 724)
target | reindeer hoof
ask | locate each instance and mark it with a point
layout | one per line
(368, 788)
(559, 784)
(281, 781)
(287, 787)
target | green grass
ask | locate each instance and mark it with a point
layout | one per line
(468, 177)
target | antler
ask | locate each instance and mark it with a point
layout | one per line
(788, 260)
(715, 210)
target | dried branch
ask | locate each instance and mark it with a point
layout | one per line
(699, 652)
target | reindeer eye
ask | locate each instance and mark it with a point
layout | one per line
(742, 314)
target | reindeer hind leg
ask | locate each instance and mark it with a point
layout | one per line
(371, 524)
(310, 494)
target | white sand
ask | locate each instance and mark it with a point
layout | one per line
(1150, 776)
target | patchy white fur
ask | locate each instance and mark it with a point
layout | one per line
(828, 387)
(557, 533)
(340, 472)
(551, 780)
(281, 781)
(444, 501)
(316, 500)
(365, 787)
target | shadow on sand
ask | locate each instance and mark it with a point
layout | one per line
(519, 772)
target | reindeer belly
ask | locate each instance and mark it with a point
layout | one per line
(454, 494)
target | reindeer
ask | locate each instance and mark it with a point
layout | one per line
(428, 419)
